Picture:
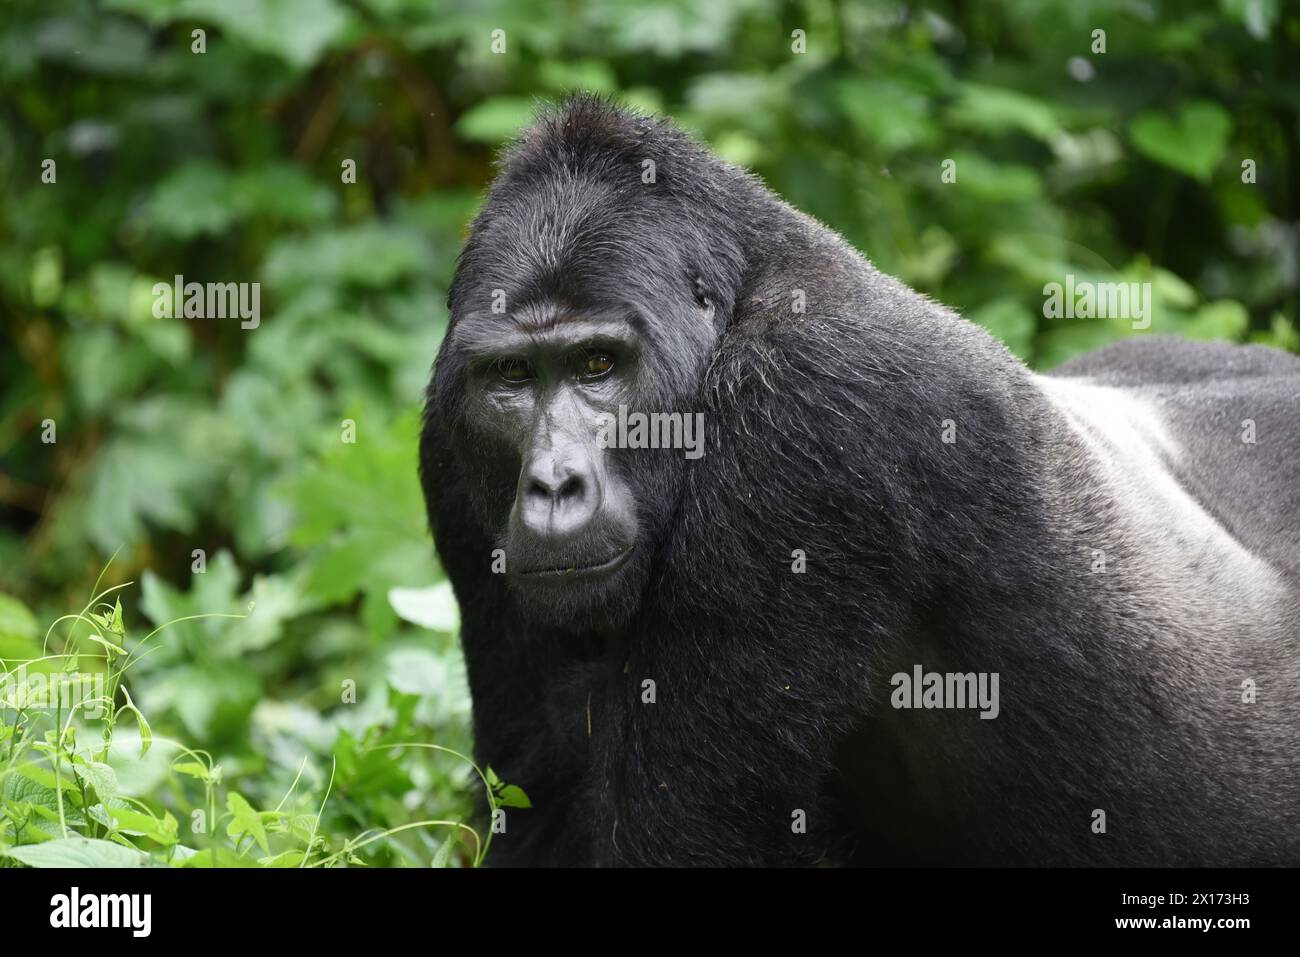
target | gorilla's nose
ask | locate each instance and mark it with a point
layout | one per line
(556, 500)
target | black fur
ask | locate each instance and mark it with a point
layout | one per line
(1120, 691)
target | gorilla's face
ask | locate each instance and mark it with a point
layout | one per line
(581, 297)
(577, 517)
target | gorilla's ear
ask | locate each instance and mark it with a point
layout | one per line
(703, 297)
(701, 291)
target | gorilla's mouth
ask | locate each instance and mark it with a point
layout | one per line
(605, 567)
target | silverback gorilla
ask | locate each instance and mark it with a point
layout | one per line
(706, 659)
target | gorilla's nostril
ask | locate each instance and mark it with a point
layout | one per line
(571, 487)
(556, 492)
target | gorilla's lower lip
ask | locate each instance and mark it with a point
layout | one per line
(576, 571)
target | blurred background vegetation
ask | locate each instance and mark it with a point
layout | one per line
(227, 165)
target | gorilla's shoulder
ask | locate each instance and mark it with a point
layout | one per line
(1164, 360)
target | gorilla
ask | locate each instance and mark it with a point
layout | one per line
(907, 603)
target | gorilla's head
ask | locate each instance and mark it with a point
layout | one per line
(594, 286)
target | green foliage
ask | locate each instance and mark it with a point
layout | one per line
(1193, 144)
(124, 798)
(283, 548)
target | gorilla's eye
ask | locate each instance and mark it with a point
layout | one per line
(596, 365)
(514, 370)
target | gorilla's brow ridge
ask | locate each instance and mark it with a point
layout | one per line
(483, 335)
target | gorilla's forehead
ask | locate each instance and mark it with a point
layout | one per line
(579, 251)
(567, 224)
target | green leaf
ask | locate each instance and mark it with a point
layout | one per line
(99, 640)
(892, 116)
(563, 76)
(192, 769)
(513, 796)
(443, 854)
(47, 277)
(999, 110)
(995, 182)
(215, 701)
(164, 830)
(495, 120)
(362, 503)
(37, 773)
(1191, 143)
(20, 790)
(416, 671)
(77, 852)
(101, 777)
(162, 470)
(18, 629)
(146, 733)
(1258, 16)
(507, 795)
(224, 857)
(282, 191)
(373, 256)
(361, 772)
(296, 31)
(246, 821)
(195, 199)
(1222, 319)
(292, 858)
(433, 607)
(1170, 290)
